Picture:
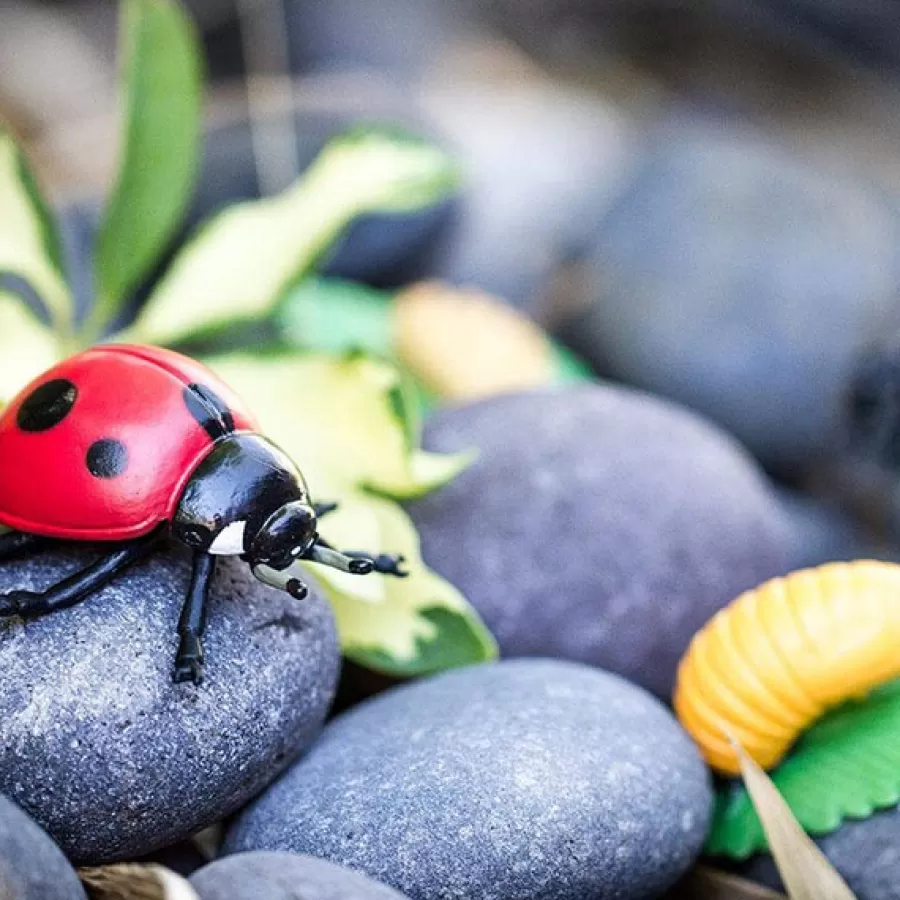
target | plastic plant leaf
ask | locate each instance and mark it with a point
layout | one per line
(399, 626)
(804, 869)
(29, 241)
(241, 262)
(162, 86)
(27, 345)
(337, 316)
(456, 343)
(346, 416)
(847, 765)
(337, 417)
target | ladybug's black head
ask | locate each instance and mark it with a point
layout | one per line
(287, 534)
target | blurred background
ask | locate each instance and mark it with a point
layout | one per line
(698, 198)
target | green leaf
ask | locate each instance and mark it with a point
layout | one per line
(162, 82)
(27, 346)
(29, 242)
(805, 870)
(347, 416)
(337, 316)
(847, 765)
(407, 626)
(240, 264)
(337, 418)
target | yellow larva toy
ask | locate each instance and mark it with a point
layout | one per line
(773, 661)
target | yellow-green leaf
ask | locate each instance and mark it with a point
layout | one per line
(27, 346)
(400, 626)
(162, 82)
(337, 418)
(806, 872)
(344, 417)
(240, 263)
(29, 243)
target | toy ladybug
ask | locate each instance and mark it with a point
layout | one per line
(131, 444)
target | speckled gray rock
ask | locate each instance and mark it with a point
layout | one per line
(866, 853)
(524, 779)
(32, 867)
(743, 281)
(598, 524)
(101, 747)
(284, 876)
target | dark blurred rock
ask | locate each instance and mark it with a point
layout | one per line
(540, 163)
(820, 531)
(598, 524)
(741, 281)
(400, 37)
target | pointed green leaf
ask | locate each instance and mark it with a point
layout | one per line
(239, 265)
(29, 242)
(845, 766)
(806, 872)
(27, 346)
(337, 316)
(346, 417)
(162, 82)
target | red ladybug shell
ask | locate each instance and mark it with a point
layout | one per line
(101, 446)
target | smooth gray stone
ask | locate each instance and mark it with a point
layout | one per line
(32, 867)
(262, 875)
(111, 756)
(598, 524)
(866, 853)
(524, 779)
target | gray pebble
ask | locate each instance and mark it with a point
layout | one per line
(284, 876)
(741, 280)
(866, 853)
(32, 867)
(112, 757)
(598, 524)
(522, 779)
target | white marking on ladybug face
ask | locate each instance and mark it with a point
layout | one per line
(230, 540)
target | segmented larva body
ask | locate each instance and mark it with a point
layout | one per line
(773, 661)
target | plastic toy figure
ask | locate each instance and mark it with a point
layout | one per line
(130, 445)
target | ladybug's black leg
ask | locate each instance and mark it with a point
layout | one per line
(189, 659)
(18, 543)
(322, 509)
(355, 561)
(71, 590)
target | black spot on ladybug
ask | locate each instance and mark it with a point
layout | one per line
(208, 408)
(47, 405)
(107, 458)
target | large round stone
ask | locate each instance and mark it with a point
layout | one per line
(32, 867)
(284, 876)
(743, 281)
(100, 745)
(525, 779)
(598, 524)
